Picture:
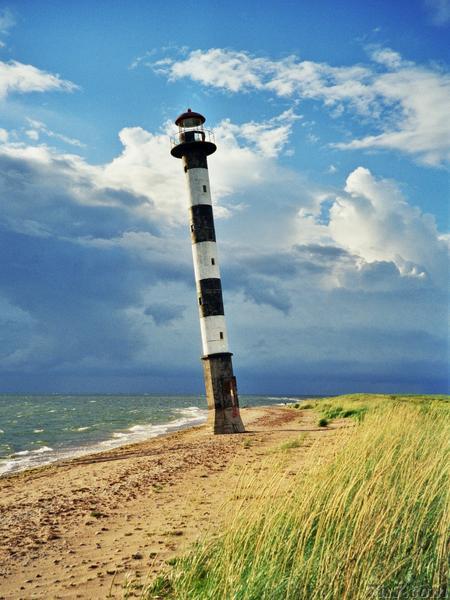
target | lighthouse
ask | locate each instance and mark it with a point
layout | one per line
(193, 144)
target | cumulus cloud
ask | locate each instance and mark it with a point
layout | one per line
(96, 275)
(232, 71)
(267, 138)
(374, 222)
(405, 102)
(244, 161)
(16, 77)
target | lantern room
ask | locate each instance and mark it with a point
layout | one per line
(191, 136)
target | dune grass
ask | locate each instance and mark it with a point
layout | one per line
(295, 443)
(368, 522)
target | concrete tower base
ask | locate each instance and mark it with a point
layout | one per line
(221, 394)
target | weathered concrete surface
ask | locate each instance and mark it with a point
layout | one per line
(221, 394)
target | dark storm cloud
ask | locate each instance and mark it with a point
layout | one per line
(77, 263)
(263, 277)
(323, 252)
(76, 297)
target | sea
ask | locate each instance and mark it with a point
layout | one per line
(38, 430)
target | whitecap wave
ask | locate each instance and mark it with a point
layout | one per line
(189, 417)
(42, 450)
(27, 459)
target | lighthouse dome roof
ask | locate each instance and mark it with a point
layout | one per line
(189, 114)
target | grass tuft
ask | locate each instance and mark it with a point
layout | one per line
(295, 443)
(372, 516)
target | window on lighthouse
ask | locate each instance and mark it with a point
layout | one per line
(204, 188)
(221, 335)
(213, 262)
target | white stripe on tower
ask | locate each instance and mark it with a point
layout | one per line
(206, 264)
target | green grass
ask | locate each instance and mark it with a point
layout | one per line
(295, 443)
(375, 513)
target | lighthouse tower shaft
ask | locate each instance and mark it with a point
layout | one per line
(193, 147)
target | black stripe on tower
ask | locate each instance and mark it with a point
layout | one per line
(202, 223)
(210, 298)
(195, 160)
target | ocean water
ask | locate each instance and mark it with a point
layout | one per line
(37, 430)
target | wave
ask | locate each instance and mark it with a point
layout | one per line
(42, 450)
(189, 417)
(28, 459)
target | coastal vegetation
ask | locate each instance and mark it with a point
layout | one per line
(367, 520)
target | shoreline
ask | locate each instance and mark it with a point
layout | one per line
(51, 451)
(77, 528)
(138, 433)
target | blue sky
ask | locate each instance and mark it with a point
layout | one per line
(330, 182)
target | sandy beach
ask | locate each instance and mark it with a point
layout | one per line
(79, 529)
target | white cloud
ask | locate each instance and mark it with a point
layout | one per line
(16, 77)
(33, 134)
(406, 103)
(233, 71)
(387, 57)
(424, 125)
(3, 136)
(267, 138)
(374, 222)
(37, 128)
(244, 161)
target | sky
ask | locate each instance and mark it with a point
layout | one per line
(330, 187)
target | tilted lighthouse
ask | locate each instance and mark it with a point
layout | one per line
(193, 144)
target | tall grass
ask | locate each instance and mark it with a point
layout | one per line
(368, 522)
